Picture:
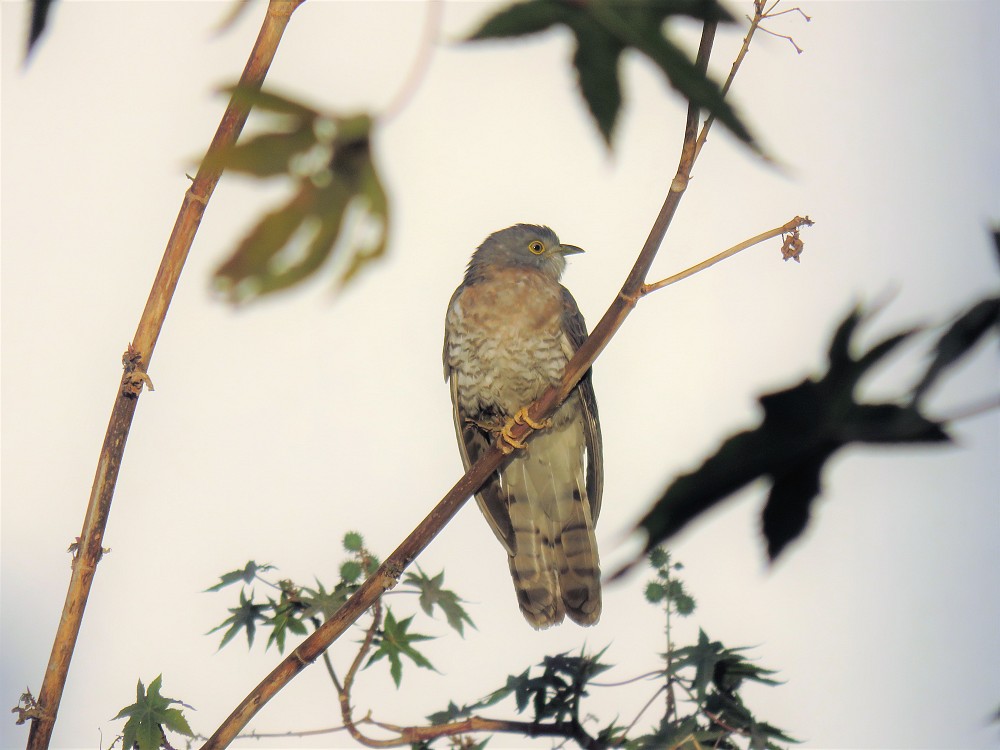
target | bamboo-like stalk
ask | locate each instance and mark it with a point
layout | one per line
(136, 362)
(389, 572)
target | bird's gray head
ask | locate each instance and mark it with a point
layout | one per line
(524, 245)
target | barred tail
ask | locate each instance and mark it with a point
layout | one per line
(555, 564)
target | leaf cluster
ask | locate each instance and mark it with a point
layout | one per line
(711, 675)
(707, 675)
(393, 641)
(296, 608)
(553, 691)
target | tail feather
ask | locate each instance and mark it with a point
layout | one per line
(555, 563)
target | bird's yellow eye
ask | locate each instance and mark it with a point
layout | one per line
(536, 247)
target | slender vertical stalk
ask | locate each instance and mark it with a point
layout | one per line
(136, 361)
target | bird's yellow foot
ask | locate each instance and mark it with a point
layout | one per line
(522, 417)
(507, 441)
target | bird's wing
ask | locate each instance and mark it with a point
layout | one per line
(473, 442)
(575, 330)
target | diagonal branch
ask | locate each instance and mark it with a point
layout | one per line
(392, 568)
(136, 361)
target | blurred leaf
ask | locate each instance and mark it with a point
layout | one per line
(959, 339)
(244, 617)
(247, 575)
(396, 642)
(322, 603)
(39, 18)
(803, 427)
(350, 571)
(603, 31)
(266, 155)
(269, 101)
(149, 716)
(237, 9)
(433, 594)
(337, 211)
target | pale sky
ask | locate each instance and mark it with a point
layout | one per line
(275, 429)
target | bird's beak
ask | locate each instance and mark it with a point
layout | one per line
(569, 249)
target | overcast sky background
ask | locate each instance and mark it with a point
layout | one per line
(276, 428)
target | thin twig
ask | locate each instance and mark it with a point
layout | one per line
(645, 708)
(791, 226)
(432, 26)
(344, 694)
(759, 14)
(136, 363)
(629, 681)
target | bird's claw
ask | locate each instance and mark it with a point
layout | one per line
(505, 438)
(522, 417)
(507, 441)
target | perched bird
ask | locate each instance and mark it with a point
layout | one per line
(511, 328)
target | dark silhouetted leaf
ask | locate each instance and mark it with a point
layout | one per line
(523, 18)
(803, 427)
(39, 18)
(959, 339)
(603, 31)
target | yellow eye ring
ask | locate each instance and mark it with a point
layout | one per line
(536, 247)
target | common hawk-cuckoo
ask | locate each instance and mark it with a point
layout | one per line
(510, 329)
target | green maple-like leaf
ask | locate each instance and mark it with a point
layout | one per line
(247, 575)
(149, 716)
(338, 202)
(605, 30)
(244, 617)
(287, 618)
(396, 642)
(803, 427)
(433, 594)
